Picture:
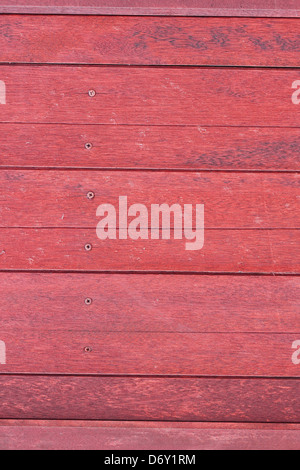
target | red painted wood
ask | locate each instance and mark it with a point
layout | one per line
(48, 351)
(150, 303)
(89, 435)
(159, 399)
(150, 147)
(148, 96)
(149, 41)
(59, 199)
(231, 251)
(141, 345)
(155, 7)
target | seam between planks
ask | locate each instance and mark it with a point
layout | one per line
(146, 66)
(181, 273)
(184, 12)
(164, 169)
(157, 376)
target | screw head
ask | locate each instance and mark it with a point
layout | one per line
(92, 93)
(88, 301)
(88, 146)
(90, 195)
(88, 247)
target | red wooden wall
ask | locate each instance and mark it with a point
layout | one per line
(140, 343)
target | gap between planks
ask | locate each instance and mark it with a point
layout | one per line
(129, 272)
(136, 170)
(148, 376)
(137, 66)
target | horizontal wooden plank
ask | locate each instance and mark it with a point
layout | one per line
(120, 435)
(149, 147)
(231, 251)
(149, 96)
(150, 303)
(149, 41)
(51, 351)
(125, 398)
(289, 8)
(59, 199)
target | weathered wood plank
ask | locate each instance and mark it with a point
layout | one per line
(149, 147)
(149, 96)
(84, 351)
(150, 303)
(59, 199)
(289, 8)
(224, 251)
(132, 398)
(120, 435)
(149, 41)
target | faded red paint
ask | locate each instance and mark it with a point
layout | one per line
(142, 330)
(260, 8)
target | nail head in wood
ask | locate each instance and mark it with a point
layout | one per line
(90, 195)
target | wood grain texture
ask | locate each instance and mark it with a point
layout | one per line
(132, 398)
(289, 8)
(149, 41)
(150, 303)
(235, 201)
(116, 435)
(120, 357)
(149, 96)
(84, 351)
(149, 147)
(225, 251)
